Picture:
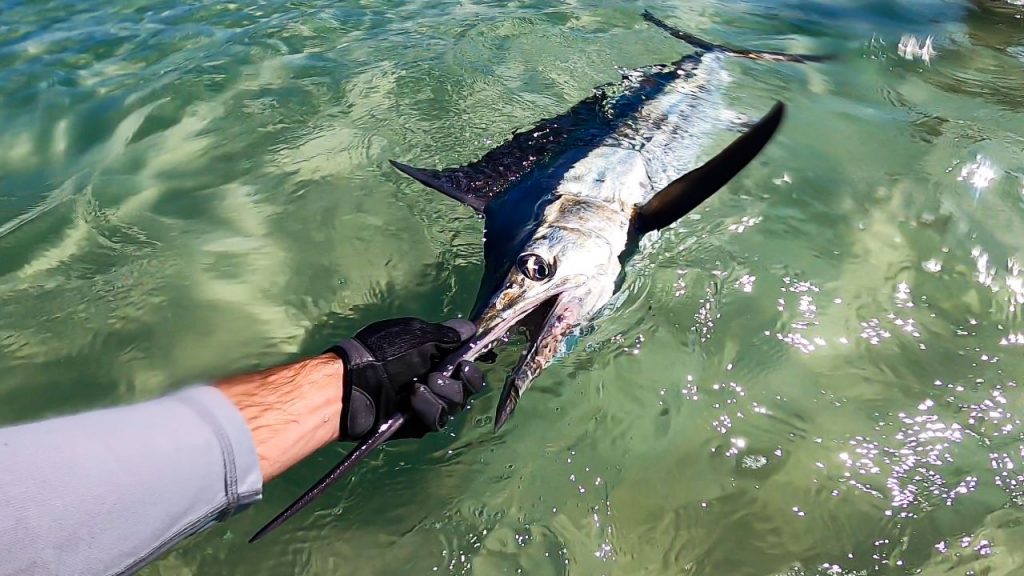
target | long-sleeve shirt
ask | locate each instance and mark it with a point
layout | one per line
(105, 492)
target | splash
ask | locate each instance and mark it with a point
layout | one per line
(911, 48)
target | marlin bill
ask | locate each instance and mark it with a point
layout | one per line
(566, 202)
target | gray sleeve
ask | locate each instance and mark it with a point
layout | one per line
(104, 492)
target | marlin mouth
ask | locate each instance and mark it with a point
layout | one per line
(531, 317)
(560, 317)
(546, 320)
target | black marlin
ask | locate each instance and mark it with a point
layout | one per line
(566, 203)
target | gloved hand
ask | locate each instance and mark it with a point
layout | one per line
(388, 369)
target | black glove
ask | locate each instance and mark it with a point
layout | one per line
(387, 370)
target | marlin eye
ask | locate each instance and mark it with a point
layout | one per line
(535, 267)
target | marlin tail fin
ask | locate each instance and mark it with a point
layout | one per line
(707, 46)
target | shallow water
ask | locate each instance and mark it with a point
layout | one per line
(816, 373)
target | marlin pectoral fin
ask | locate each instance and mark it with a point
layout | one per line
(701, 44)
(687, 192)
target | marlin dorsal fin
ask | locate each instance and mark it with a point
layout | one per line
(478, 183)
(688, 191)
(437, 180)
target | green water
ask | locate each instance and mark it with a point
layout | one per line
(818, 373)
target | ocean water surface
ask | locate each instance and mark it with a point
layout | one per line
(819, 372)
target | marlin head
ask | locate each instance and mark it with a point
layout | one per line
(564, 273)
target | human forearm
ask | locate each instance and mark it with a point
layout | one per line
(292, 410)
(104, 492)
